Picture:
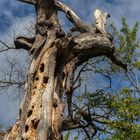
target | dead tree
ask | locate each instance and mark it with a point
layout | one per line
(54, 59)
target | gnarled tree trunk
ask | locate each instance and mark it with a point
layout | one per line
(55, 57)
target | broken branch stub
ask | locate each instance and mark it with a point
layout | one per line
(24, 43)
(100, 19)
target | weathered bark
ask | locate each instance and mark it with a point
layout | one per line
(81, 26)
(55, 57)
(24, 43)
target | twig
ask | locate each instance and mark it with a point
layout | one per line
(7, 47)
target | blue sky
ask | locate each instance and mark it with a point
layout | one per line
(16, 17)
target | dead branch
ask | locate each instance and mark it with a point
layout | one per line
(24, 43)
(91, 45)
(71, 15)
(28, 1)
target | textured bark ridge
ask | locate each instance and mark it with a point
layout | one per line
(55, 57)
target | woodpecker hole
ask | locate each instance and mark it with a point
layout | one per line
(26, 128)
(42, 67)
(35, 123)
(45, 80)
(29, 113)
(35, 87)
(36, 78)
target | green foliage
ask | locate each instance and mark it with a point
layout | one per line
(127, 41)
(75, 138)
(136, 64)
(66, 137)
(125, 121)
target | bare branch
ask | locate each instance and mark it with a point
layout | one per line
(7, 47)
(79, 73)
(117, 62)
(108, 77)
(11, 83)
(88, 135)
(72, 124)
(28, 1)
(4, 44)
(71, 15)
(136, 77)
(133, 83)
(77, 86)
(13, 76)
